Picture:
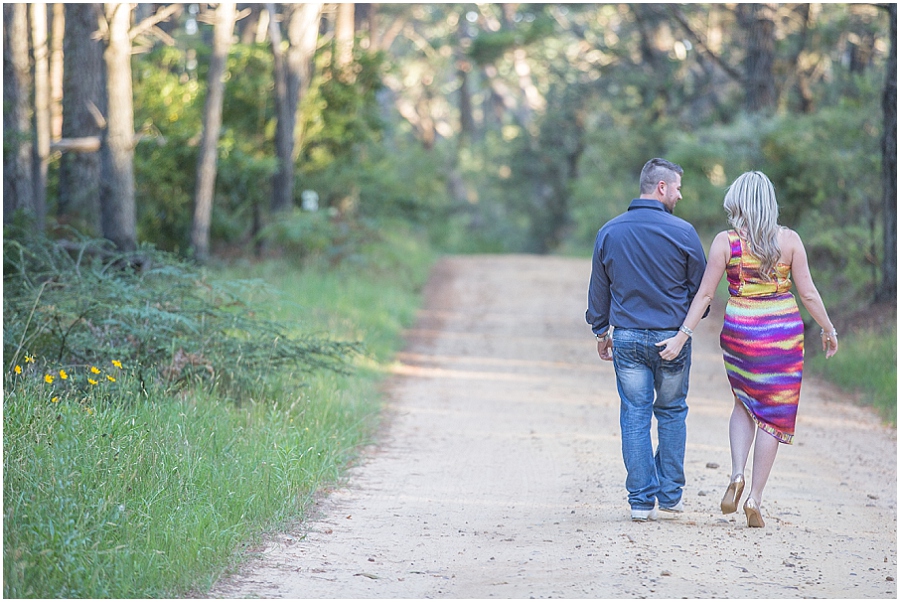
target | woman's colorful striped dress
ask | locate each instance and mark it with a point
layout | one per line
(762, 342)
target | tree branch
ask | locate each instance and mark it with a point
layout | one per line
(150, 22)
(679, 16)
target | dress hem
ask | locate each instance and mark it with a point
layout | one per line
(780, 436)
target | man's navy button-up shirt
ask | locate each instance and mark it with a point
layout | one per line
(647, 268)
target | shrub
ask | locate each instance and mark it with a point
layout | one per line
(77, 304)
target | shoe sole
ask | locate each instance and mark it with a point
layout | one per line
(735, 491)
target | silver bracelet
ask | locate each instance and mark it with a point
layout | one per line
(686, 330)
(833, 333)
(602, 337)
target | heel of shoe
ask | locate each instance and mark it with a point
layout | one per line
(754, 516)
(732, 496)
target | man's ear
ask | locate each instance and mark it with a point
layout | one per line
(661, 188)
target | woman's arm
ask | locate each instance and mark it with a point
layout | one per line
(807, 290)
(719, 255)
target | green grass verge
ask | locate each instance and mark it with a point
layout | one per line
(139, 493)
(865, 363)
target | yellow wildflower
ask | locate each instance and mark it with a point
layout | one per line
(95, 369)
(110, 378)
(90, 411)
(92, 381)
(117, 363)
(54, 399)
(48, 378)
(18, 369)
(29, 359)
(63, 375)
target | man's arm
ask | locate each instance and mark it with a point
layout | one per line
(597, 314)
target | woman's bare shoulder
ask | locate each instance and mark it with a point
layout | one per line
(790, 243)
(788, 236)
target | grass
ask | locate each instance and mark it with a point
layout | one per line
(865, 363)
(118, 491)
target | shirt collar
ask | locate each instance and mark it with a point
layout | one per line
(648, 204)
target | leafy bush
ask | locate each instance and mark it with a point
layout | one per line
(128, 489)
(302, 234)
(79, 304)
(168, 101)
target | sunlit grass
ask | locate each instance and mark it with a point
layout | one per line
(116, 491)
(867, 363)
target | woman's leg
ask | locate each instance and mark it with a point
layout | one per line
(741, 430)
(763, 458)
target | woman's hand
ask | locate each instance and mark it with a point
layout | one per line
(829, 343)
(672, 346)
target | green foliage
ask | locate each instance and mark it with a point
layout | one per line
(338, 113)
(247, 160)
(146, 309)
(131, 491)
(169, 95)
(301, 234)
(150, 496)
(488, 47)
(867, 363)
(168, 105)
(370, 296)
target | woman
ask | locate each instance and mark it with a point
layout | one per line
(762, 337)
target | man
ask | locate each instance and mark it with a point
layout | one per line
(647, 267)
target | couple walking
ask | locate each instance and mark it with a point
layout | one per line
(651, 285)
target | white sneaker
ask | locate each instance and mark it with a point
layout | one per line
(642, 516)
(677, 508)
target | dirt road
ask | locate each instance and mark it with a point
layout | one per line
(500, 473)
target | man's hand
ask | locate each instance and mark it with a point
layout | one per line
(604, 349)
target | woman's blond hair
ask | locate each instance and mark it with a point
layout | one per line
(753, 211)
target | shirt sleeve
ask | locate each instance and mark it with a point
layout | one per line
(597, 314)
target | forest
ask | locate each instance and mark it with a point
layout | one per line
(202, 128)
(161, 160)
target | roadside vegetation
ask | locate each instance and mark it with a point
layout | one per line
(865, 368)
(132, 472)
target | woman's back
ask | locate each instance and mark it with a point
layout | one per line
(745, 278)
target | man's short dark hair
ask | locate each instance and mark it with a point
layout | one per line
(656, 170)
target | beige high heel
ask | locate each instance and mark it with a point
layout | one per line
(754, 516)
(733, 495)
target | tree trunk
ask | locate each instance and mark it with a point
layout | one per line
(79, 172)
(466, 116)
(41, 149)
(57, 36)
(887, 289)
(303, 34)
(212, 122)
(292, 72)
(117, 204)
(344, 32)
(283, 179)
(758, 23)
(18, 192)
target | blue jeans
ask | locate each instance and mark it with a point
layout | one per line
(641, 373)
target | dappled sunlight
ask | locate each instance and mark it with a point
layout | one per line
(421, 371)
(425, 333)
(418, 358)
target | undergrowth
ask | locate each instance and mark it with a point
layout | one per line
(866, 363)
(122, 482)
